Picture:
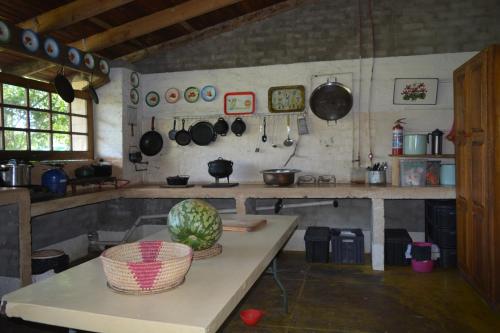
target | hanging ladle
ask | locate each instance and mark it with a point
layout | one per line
(264, 136)
(288, 142)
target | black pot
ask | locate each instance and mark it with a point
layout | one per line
(238, 127)
(221, 127)
(220, 168)
(177, 180)
(84, 172)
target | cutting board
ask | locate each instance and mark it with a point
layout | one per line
(243, 225)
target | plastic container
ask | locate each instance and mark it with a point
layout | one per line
(412, 172)
(50, 259)
(422, 266)
(447, 174)
(415, 144)
(317, 244)
(396, 242)
(348, 246)
(251, 316)
(376, 177)
(432, 173)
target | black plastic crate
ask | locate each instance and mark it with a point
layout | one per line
(348, 249)
(441, 213)
(396, 242)
(444, 238)
(317, 244)
(448, 258)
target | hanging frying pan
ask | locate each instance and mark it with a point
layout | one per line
(92, 92)
(182, 137)
(202, 133)
(331, 101)
(151, 142)
(172, 132)
(63, 87)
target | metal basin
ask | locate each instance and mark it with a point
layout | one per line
(279, 177)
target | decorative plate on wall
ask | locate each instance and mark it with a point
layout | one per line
(104, 66)
(208, 93)
(152, 98)
(74, 56)
(134, 79)
(286, 99)
(191, 94)
(30, 40)
(4, 32)
(134, 96)
(51, 48)
(238, 103)
(88, 60)
(172, 95)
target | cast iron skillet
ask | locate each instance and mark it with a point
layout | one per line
(202, 133)
(238, 126)
(172, 132)
(151, 142)
(182, 137)
(331, 101)
(221, 127)
(64, 88)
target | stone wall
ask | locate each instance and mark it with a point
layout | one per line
(322, 30)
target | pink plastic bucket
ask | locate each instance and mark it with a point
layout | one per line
(424, 266)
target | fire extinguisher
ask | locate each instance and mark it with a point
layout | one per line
(397, 137)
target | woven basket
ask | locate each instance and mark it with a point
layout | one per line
(146, 267)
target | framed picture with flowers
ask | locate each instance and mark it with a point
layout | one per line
(415, 91)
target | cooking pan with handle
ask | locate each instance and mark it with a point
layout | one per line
(202, 133)
(182, 137)
(151, 142)
(331, 101)
(63, 87)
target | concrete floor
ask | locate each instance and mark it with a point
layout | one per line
(353, 298)
(350, 298)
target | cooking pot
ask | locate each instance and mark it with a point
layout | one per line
(103, 169)
(177, 180)
(13, 173)
(415, 144)
(279, 177)
(331, 101)
(85, 171)
(220, 168)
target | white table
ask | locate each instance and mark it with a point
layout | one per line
(78, 298)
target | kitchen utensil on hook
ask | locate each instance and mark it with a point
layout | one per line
(302, 125)
(63, 87)
(288, 142)
(92, 92)
(173, 131)
(264, 136)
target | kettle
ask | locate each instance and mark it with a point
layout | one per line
(436, 142)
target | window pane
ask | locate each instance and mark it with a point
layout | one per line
(14, 95)
(40, 120)
(60, 122)
(58, 104)
(1, 141)
(16, 140)
(79, 124)
(15, 118)
(39, 99)
(79, 106)
(61, 142)
(80, 143)
(40, 141)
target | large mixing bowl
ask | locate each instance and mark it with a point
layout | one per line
(279, 177)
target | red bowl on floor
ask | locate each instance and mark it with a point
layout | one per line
(424, 266)
(251, 316)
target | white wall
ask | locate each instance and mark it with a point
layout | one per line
(328, 149)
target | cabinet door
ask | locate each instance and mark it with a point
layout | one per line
(476, 147)
(462, 170)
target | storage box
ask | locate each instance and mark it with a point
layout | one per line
(317, 244)
(412, 172)
(348, 246)
(432, 173)
(396, 242)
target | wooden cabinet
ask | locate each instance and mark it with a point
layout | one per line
(477, 121)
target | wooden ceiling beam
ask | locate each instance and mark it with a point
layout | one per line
(147, 24)
(217, 29)
(69, 14)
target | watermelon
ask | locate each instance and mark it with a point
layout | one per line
(195, 223)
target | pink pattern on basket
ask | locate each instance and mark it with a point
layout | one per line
(150, 250)
(145, 274)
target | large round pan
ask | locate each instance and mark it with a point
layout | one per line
(331, 101)
(64, 88)
(151, 142)
(202, 133)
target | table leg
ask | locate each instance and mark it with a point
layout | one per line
(273, 269)
(378, 226)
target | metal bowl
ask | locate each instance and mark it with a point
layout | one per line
(279, 177)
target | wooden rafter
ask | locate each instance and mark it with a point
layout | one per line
(69, 14)
(135, 28)
(215, 30)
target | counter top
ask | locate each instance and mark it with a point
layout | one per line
(244, 191)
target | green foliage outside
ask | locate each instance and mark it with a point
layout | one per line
(18, 118)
